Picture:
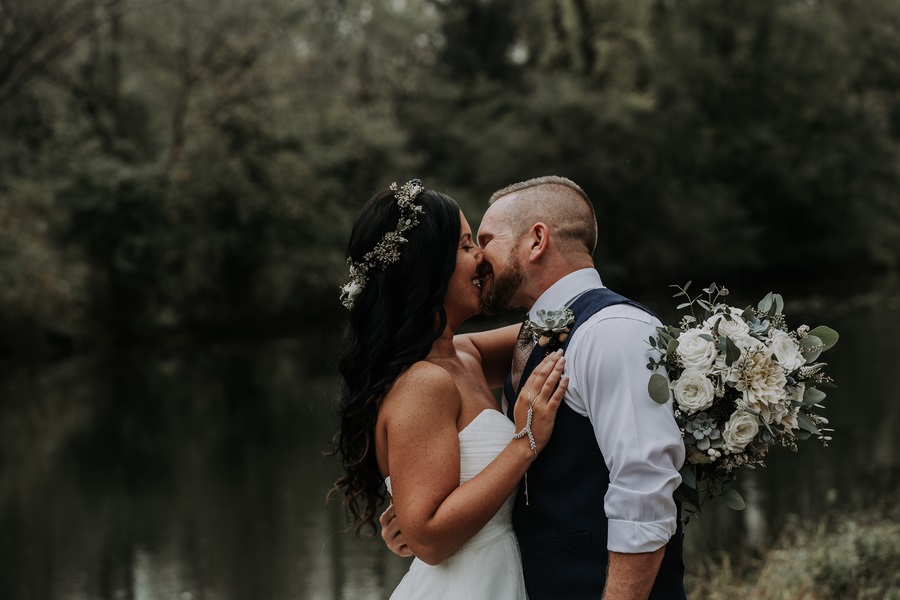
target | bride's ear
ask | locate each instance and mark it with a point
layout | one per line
(539, 237)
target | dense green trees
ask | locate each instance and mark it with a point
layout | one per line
(193, 166)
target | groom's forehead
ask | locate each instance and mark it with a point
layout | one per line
(493, 221)
(490, 225)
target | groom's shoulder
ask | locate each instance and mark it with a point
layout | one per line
(616, 323)
(628, 311)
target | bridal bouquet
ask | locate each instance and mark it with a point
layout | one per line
(743, 382)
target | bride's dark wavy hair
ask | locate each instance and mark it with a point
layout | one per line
(393, 323)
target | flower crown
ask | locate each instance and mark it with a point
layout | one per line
(387, 251)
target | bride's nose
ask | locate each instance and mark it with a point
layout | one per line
(479, 255)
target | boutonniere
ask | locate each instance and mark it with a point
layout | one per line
(552, 327)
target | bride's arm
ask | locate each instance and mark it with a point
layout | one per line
(436, 514)
(494, 348)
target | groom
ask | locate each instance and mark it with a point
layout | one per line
(599, 516)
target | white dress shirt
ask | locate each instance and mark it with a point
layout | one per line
(606, 363)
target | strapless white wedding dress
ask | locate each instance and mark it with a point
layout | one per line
(489, 566)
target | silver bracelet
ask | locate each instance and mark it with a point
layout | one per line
(527, 429)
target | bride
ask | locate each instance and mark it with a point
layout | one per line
(418, 419)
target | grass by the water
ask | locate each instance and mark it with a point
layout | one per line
(855, 557)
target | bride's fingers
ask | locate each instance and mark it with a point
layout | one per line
(554, 400)
(543, 386)
(545, 412)
(553, 391)
(553, 378)
(539, 375)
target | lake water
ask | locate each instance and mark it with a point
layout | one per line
(199, 474)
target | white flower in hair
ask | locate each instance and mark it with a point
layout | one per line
(387, 251)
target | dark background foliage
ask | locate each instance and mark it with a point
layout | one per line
(191, 168)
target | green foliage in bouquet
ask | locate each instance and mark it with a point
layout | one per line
(742, 381)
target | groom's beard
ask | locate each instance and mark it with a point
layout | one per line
(496, 298)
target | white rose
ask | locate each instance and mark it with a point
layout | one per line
(786, 350)
(694, 391)
(735, 328)
(695, 351)
(740, 430)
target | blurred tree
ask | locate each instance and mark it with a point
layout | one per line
(194, 166)
(36, 35)
(763, 145)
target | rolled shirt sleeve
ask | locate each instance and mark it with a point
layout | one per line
(639, 439)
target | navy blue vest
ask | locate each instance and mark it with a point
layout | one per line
(563, 530)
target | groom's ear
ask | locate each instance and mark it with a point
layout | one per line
(540, 240)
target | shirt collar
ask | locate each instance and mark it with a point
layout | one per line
(566, 290)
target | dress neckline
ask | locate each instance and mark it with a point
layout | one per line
(478, 416)
(486, 410)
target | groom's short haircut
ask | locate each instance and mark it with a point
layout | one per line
(559, 203)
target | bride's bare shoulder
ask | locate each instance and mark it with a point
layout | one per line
(424, 377)
(422, 406)
(424, 386)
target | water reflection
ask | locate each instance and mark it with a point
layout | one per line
(199, 474)
(187, 475)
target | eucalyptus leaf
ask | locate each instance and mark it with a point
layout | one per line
(828, 336)
(688, 498)
(765, 305)
(811, 348)
(671, 347)
(810, 341)
(658, 387)
(683, 305)
(652, 342)
(779, 303)
(687, 477)
(805, 423)
(733, 499)
(732, 352)
(813, 396)
(812, 356)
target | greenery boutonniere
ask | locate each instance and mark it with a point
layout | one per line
(552, 328)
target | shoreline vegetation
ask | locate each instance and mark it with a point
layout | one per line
(841, 557)
(196, 168)
(34, 343)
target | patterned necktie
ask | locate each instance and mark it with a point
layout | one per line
(523, 349)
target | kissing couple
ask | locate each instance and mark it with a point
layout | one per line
(491, 505)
